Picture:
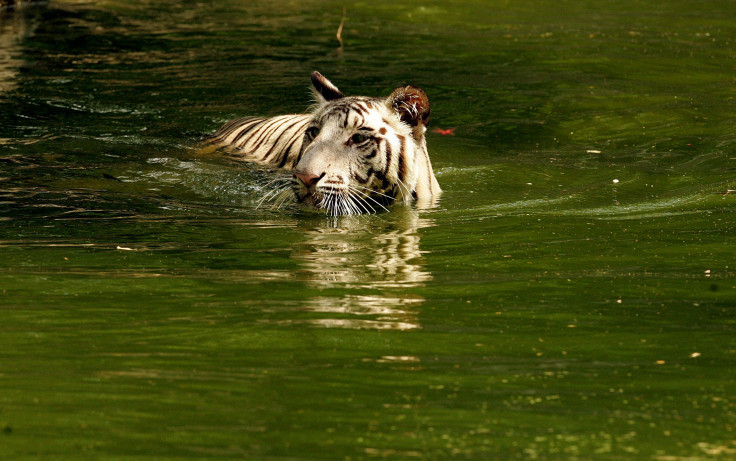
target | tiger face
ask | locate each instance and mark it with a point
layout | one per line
(360, 154)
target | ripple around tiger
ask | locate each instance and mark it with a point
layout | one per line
(350, 155)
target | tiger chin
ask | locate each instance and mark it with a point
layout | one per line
(350, 155)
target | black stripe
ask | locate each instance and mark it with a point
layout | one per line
(357, 108)
(402, 152)
(369, 173)
(225, 134)
(276, 141)
(388, 158)
(286, 154)
(299, 155)
(264, 133)
(296, 137)
(245, 129)
(429, 173)
(245, 132)
(229, 128)
(239, 122)
(346, 112)
(402, 173)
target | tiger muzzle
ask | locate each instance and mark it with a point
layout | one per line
(308, 179)
(312, 188)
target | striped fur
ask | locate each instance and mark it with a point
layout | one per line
(350, 155)
(276, 140)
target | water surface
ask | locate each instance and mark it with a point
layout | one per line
(572, 296)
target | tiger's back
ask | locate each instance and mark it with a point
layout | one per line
(274, 140)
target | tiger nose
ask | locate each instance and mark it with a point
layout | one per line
(308, 179)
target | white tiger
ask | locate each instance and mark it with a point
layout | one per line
(350, 155)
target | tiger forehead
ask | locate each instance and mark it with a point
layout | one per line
(350, 112)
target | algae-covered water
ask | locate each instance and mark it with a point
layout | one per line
(572, 296)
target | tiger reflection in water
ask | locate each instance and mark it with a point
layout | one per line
(380, 266)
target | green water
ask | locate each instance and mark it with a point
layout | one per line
(572, 296)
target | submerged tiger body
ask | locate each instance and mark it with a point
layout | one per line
(350, 155)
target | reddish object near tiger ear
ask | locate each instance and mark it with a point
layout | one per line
(412, 105)
(443, 132)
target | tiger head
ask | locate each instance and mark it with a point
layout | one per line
(360, 154)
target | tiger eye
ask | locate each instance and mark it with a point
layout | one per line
(359, 138)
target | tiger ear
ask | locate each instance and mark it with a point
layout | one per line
(412, 105)
(324, 90)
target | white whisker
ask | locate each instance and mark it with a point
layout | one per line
(286, 195)
(273, 181)
(354, 203)
(371, 190)
(405, 187)
(363, 204)
(344, 204)
(268, 197)
(278, 196)
(365, 195)
(360, 199)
